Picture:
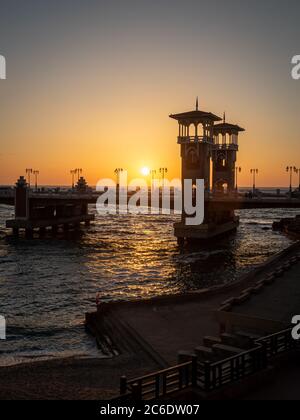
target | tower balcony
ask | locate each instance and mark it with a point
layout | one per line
(195, 140)
(234, 147)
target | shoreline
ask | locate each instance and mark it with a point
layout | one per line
(163, 300)
(211, 291)
(98, 378)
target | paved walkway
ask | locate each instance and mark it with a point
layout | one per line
(180, 324)
(279, 301)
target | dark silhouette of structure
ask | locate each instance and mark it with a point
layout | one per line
(224, 156)
(208, 145)
(204, 146)
(39, 211)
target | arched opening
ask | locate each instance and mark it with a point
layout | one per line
(222, 187)
(192, 158)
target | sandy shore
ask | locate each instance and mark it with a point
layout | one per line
(163, 327)
(68, 379)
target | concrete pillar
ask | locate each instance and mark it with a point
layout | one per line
(42, 231)
(29, 233)
(54, 230)
(15, 231)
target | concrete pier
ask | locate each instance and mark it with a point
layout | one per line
(205, 231)
(35, 212)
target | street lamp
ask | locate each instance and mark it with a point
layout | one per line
(117, 172)
(36, 174)
(238, 170)
(254, 172)
(78, 171)
(29, 172)
(297, 171)
(73, 173)
(163, 172)
(290, 170)
(153, 174)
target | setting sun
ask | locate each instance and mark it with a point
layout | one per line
(145, 171)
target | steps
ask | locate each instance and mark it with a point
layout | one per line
(223, 351)
(127, 340)
(210, 341)
(215, 349)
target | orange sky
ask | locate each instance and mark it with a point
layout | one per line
(94, 91)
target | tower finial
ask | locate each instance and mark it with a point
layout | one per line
(224, 117)
(197, 104)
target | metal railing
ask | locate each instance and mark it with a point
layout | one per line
(278, 343)
(6, 192)
(210, 376)
(195, 139)
(162, 383)
(232, 146)
(215, 375)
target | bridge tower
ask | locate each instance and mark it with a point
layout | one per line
(196, 140)
(199, 146)
(224, 155)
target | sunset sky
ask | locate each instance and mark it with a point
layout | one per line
(91, 84)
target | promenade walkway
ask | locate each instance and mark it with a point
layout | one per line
(166, 326)
(280, 301)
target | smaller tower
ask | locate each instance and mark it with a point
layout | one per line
(224, 154)
(21, 199)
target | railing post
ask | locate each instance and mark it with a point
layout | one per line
(164, 384)
(123, 385)
(194, 370)
(180, 377)
(157, 386)
(232, 371)
(207, 381)
(264, 351)
(137, 392)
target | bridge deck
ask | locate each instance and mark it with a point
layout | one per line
(226, 203)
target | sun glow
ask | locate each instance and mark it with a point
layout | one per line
(145, 171)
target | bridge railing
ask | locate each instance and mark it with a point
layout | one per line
(278, 343)
(6, 192)
(215, 375)
(218, 146)
(162, 383)
(195, 139)
(210, 376)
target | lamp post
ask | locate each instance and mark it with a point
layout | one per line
(297, 171)
(36, 174)
(117, 172)
(163, 172)
(153, 176)
(73, 173)
(254, 172)
(238, 170)
(290, 170)
(78, 171)
(29, 172)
